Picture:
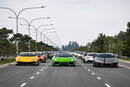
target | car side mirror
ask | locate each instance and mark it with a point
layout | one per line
(118, 57)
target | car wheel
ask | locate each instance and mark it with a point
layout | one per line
(17, 64)
(95, 64)
(36, 64)
(83, 61)
(115, 65)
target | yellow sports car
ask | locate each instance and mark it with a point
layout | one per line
(27, 57)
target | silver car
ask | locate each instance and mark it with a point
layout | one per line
(90, 57)
(105, 59)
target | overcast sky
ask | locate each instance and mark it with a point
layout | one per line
(74, 20)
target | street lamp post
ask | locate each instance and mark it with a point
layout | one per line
(37, 30)
(47, 37)
(17, 17)
(29, 24)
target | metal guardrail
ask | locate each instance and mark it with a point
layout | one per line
(124, 57)
(5, 57)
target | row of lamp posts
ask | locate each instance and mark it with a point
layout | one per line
(28, 23)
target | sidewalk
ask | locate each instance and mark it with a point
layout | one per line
(125, 61)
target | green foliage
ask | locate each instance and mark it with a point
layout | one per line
(118, 44)
(4, 61)
(7, 45)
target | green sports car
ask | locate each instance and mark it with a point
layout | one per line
(63, 58)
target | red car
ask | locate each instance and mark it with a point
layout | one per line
(42, 58)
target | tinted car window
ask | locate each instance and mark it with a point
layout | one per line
(63, 55)
(39, 54)
(105, 56)
(92, 55)
(27, 54)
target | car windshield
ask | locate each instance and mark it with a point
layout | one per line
(27, 54)
(39, 54)
(106, 56)
(63, 55)
(92, 54)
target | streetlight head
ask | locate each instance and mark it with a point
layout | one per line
(9, 17)
(51, 24)
(43, 6)
(48, 17)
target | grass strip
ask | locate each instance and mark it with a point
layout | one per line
(5, 61)
(127, 59)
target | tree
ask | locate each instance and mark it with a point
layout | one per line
(4, 42)
(126, 43)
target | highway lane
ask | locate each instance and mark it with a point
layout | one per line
(116, 77)
(13, 75)
(82, 75)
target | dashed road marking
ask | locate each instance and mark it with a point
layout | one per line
(32, 77)
(98, 78)
(107, 85)
(38, 73)
(93, 73)
(88, 70)
(85, 67)
(42, 69)
(23, 85)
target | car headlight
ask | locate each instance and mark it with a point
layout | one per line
(72, 59)
(34, 59)
(18, 59)
(115, 60)
(54, 59)
(99, 60)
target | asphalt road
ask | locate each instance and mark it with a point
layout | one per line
(82, 75)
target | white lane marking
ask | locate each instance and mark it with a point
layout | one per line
(37, 73)
(93, 73)
(23, 85)
(32, 77)
(85, 67)
(98, 78)
(88, 70)
(42, 69)
(107, 85)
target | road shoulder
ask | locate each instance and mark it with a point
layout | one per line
(125, 61)
(6, 65)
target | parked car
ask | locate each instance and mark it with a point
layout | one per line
(39, 54)
(27, 57)
(90, 57)
(42, 58)
(103, 59)
(63, 58)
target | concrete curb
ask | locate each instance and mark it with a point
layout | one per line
(6, 65)
(125, 61)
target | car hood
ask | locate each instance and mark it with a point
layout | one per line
(64, 59)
